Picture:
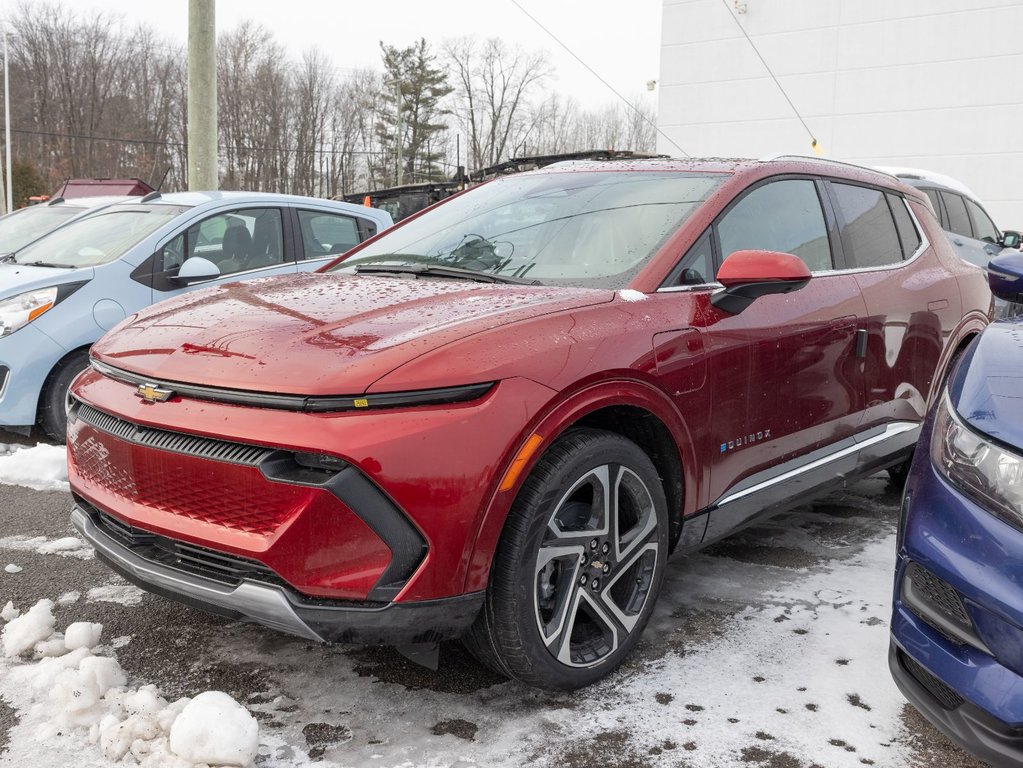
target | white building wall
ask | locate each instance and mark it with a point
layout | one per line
(933, 84)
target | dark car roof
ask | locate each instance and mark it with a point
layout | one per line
(985, 389)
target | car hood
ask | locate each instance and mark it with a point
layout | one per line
(18, 278)
(319, 334)
(988, 392)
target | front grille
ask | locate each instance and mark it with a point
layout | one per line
(946, 697)
(172, 472)
(219, 566)
(178, 442)
(939, 595)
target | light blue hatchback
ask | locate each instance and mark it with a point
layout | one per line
(61, 293)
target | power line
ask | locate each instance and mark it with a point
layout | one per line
(593, 72)
(813, 139)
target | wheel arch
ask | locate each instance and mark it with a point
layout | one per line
(968, 329)
(633, 409)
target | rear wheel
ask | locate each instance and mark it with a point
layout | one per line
(52, 412)
(579, 564)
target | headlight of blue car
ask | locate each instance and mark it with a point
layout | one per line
(984, 471)
(18, 311)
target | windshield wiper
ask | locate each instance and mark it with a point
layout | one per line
(44, 264)
(432, 270)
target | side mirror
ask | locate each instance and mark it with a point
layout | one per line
(748, 275)
(1010, 239)
(1005, 276)
(195, 270)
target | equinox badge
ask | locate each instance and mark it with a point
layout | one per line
(153, 394)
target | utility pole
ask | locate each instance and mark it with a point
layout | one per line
(8, 202)
(400, 136)
(202, 95)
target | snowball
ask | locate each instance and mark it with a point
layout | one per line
(12, 568)
(82, 634)
(630, 295)
(68, 597)
(25, 631)
(214, 728)
(46, 671)
(105, 671)
(9, 612)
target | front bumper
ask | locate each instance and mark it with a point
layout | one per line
(27, 355)
(968, 725)
(279, 608)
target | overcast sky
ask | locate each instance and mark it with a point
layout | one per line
(620, 40)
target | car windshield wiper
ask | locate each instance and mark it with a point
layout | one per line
(432, 270)
(44, 264)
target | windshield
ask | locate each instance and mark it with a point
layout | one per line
(22, 227)
(98, 239)
(588, 229)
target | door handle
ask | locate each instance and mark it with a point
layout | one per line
(934, 306)
(861, 342)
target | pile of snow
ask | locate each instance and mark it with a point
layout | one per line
(628, 294)
(42, 467)
(69, 546)
(70, 690)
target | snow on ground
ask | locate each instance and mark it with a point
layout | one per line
(74, 704)
(68, 546)
(125, 594)
(43, 467)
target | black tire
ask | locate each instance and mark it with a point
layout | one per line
(52, 413)
(900, 472)
(563, 530)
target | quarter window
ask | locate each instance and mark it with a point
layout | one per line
(983, 227)
(781, 216)
(932, 195)
(327, 234)
(908, 235)
(958, 219)
(869, 235)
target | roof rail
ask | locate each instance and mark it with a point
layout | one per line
(813, 158)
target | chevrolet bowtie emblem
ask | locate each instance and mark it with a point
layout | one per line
(153, 394)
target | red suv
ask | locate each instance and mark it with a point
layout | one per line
(496, 420)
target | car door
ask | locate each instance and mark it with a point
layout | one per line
(913, 301)
(784, 375)
(243, 243)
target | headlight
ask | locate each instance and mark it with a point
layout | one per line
(989, 474)
(22, 309)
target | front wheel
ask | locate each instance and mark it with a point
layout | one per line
(53, 403)
(579, 564)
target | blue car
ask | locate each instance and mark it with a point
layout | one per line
(957, 625)
(26, 225)
(59, 294)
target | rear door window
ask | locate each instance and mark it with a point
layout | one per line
(869, 237)
(781, 216)
(327, 234)
(932, 195)
(908, 234)
(958, 218)
(983, 228)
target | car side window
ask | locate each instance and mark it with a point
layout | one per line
(236, 241)
(868, 235)
(327, 234)
(908, 234)
(983, 227)
(958, 219)
(781, 216)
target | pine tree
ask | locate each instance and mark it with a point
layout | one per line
(415, 84)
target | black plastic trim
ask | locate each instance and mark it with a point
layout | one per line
(373, 507)
(304, 403)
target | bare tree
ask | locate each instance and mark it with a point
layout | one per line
(493, 84)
